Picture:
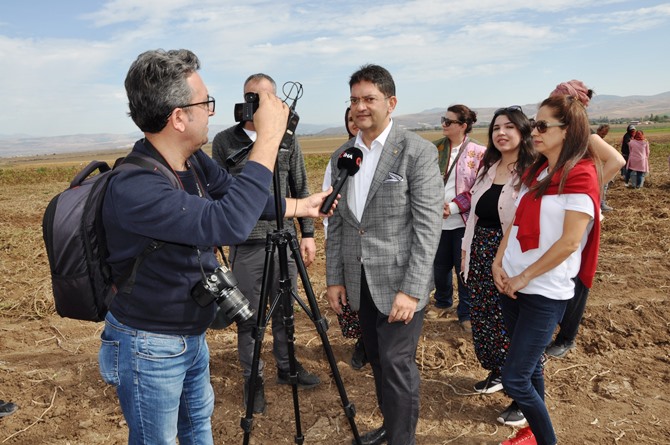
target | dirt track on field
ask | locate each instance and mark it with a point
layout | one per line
(611, 390)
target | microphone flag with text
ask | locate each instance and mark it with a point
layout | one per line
(348, 163)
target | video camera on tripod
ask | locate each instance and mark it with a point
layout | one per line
(278, 242)
(244, 112)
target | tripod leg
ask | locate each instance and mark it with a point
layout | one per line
(321, 325)
(285, 293)
(261, 325)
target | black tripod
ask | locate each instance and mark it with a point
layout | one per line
(282, 238)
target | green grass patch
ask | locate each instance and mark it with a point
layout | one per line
(37, 175)
(316, 162)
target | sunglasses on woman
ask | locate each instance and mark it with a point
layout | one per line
(509, 109)
(446, 121)
(543, 126)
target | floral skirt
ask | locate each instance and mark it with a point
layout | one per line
(489, 334)
(351, 327)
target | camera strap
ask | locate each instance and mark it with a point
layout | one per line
(202, 269)
(447, 173)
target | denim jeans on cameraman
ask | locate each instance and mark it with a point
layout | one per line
(530, 320)
(162, 382)
(447, 259)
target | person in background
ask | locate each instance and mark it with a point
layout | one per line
(611, 161)
(153, 346)
(602, 131)
(348, 319)
(625, 150)
(508, 154)
(638, 159)
(385, 229)
(248, 257)
(459, 159)
(555, 234)
(7, 408)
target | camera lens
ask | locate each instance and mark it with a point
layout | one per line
(233, 307)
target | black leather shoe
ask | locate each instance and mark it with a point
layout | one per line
(7, 408)
(259, 396)
(358, 358)
(306, 379)
(375, 437)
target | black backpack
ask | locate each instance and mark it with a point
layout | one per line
(74, 236)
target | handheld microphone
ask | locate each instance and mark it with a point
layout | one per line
(348, 163)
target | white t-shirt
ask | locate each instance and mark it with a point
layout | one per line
(556, 283)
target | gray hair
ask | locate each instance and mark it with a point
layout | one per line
(156, 85)
(258, 77)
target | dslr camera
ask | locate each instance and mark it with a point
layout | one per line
(244, 112)
(221, 287)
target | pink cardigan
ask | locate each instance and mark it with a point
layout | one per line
(465, 171)
(506, 208)
(638, 158)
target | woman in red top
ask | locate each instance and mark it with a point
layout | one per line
(554, 237)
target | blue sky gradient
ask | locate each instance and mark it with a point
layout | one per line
(64, 62)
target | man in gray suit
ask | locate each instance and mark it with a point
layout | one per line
(382, 240)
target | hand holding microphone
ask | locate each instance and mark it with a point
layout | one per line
(348, 164)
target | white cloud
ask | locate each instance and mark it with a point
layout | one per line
(635, 19)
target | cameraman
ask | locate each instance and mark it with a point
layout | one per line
(153, 345)
(248, 258)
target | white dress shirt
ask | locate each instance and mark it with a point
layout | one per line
(358, 190)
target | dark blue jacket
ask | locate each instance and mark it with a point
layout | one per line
(142, 205)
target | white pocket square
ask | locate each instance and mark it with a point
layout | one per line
(393, 177)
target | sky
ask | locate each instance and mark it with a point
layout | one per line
(64, 62)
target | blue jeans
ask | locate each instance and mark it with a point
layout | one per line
(162, 382)
(530, 320)
(448, 258)
(639, 178)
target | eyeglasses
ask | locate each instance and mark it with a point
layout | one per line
(447, 122)
(508, 109)
(367, 100)
(211, 104)
(543, 126)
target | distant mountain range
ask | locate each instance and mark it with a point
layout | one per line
(612, 107)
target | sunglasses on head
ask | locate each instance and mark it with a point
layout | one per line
(508, 109)
(543, 126)
(446, 121)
